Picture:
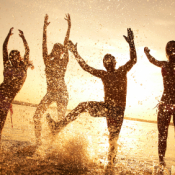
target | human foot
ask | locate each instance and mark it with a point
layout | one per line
(55, 127)
(51, 123)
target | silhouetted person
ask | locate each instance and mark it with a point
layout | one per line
(56, 64)
(166, 107)
(15, 73)
(115, 89)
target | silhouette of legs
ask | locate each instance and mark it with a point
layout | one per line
(4, 108)
(95, 109)
(41, 108)
(113, 114)
(61, 98)
(163, 119)
(3, 116)
(62, 102)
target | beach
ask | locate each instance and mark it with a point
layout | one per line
(81, 147)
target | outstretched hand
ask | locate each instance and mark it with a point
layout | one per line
(146, 50)
(21, 34)
(72, 47)
(46, 23)
(130, 38)
(67, 18)
(10, 31)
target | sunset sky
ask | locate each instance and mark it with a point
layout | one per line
(98, 27)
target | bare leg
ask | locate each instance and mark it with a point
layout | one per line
(41, 108)
(55, 127)
(114, 120)
(96, 109)
(163, 123)
(113, 147)
(3, 116)
(61, 109)
(62, 103)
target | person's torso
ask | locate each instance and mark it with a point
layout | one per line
(55, 73)
(115, 87)
(168, 73)
(14, 79)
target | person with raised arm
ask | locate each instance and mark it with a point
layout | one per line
(115, 91)
(55, 69)
(15, 73)
(166, 107)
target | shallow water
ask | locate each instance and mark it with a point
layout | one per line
(81, 148)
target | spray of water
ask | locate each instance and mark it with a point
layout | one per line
(68, 157)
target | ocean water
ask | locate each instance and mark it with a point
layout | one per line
(80, 148)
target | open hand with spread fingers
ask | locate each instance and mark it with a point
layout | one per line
(130, 38)
(67, 18)
(21, 34)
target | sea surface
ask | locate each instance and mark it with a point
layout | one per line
(80, 148)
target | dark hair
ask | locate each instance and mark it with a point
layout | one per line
(108, 57)
(167, 45)
(13, 53)
(57, 46)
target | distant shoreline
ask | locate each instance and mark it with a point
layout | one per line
(24, 103)
(127, 118)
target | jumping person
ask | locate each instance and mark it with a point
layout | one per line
(15, 73)
(56, 64)
(166, 107)
(115, 89)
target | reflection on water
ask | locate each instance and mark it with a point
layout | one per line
(81, 148)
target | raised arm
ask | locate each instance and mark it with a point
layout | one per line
(45, 52)
(67, 18)
(5, 52)
(26, 55)
(152, 59)
(27, 51)
(133, 56)
(82, 63)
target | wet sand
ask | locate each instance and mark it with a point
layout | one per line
(81, 148)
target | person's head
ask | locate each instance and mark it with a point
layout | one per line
(15, 58)
(170, 50)
(109, 62)
(57, 49)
